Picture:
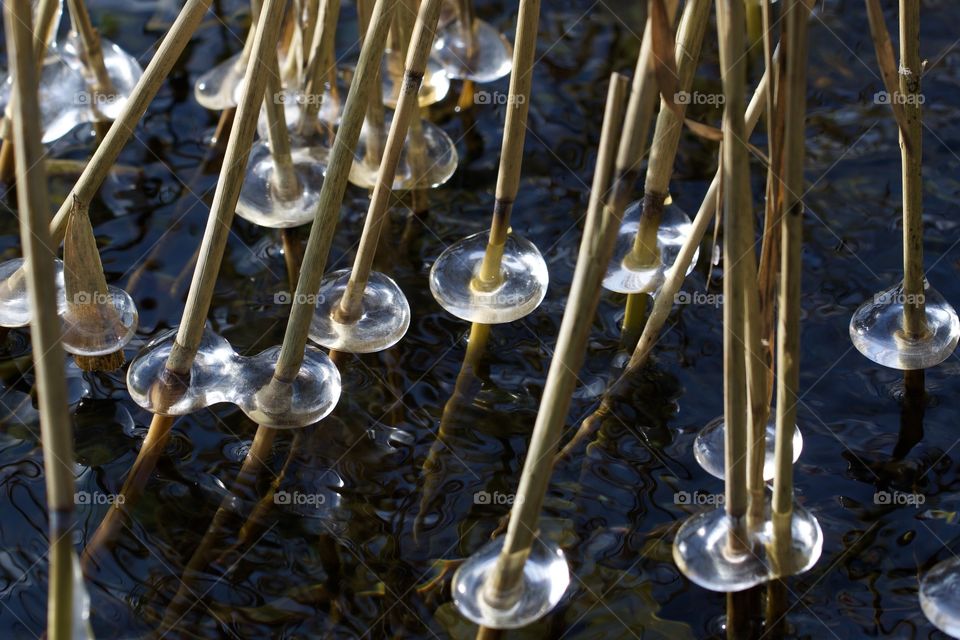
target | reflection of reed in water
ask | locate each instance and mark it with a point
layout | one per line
(465, 391)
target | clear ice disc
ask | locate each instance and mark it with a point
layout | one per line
(876, 330)
(218, 88)
(523, 282)
(624, 275)
(438, 159)
(940, 596)
(259, 202)
(489, 59)
(384, 318)
(708, 447)
(14, 302)
(98, 328)
(545, 579)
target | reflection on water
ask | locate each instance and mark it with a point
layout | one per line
(354, 526)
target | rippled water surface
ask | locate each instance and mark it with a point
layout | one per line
(395, 471)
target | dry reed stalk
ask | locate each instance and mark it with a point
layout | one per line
(663, 152)
(133, 485)
(911, 161)
(376, 137)
(46, 13)
(283, 180)
(85, 286)
(321, 68)
(788, 327)
(737, 241)
(489, 276)
(122, 128)
(91, 53)
(56, 431)
(331, 195)
(673, 280)
(227, 192)
(600, 232)
(408, 109)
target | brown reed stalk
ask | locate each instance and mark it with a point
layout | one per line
(215, 235)
(91, 53)
(376, 114)
(331, 197)
(122, 128)
(737, 241)
(320, 68)
(599, 235)
(55, 428)
(489, 277)
(227, 191)
(408, 109)
(643, 98)
(283, 180)
(773, 203)
(466, 14)
(85, 286)
(911, 161)
(788, 327)
(673, 280)
(46, 12)
(663, 152)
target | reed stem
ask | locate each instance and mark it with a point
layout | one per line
(673, 280)
(663, 152)
(408, 108)
(595, 249)
(737, 241)
(788, 326)
(332, 191)
(283, 180)
(911, 160)
(466, 14)
(122, 128)
(227, 192)
(320, 67)
(46, 15)
(489, 277)
(91, 52)
(85, 286)
(643, 99)
(376, 118)
(33, 208)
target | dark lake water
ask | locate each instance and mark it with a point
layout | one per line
(397, 501)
